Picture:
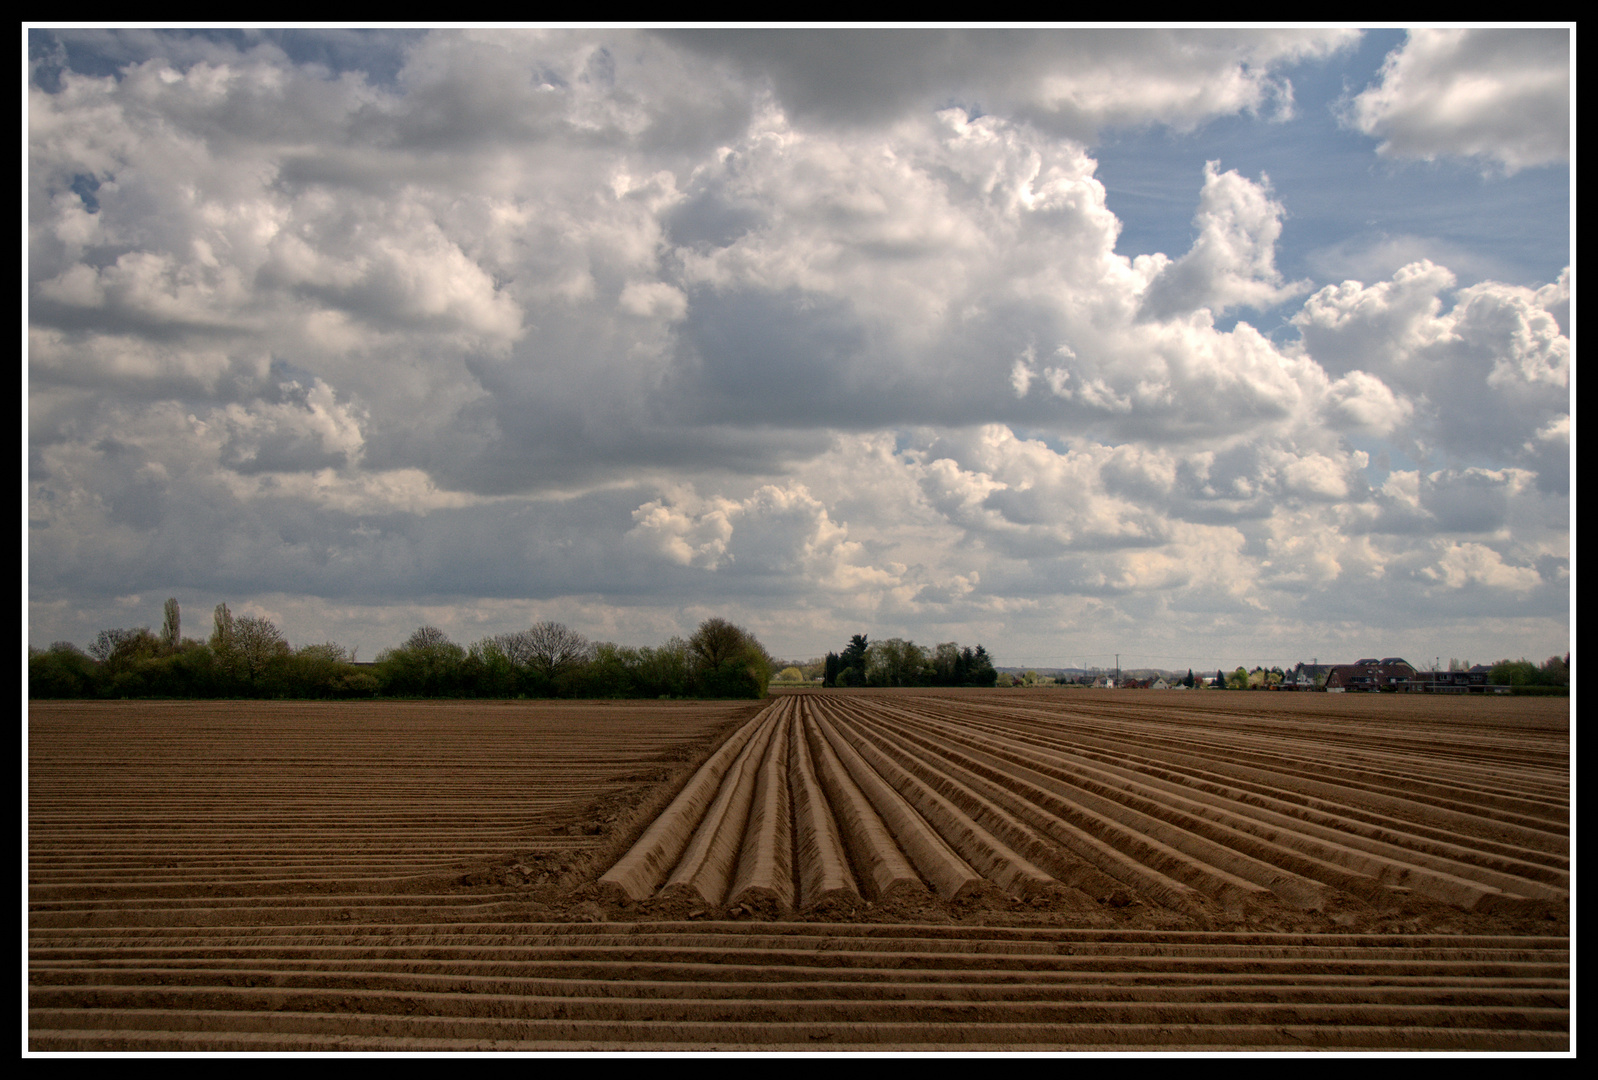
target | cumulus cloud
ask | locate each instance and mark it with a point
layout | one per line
(781, 533)
(1232, 263)
(1360, 401)
(1460, 565)
(1498, 94)
(1482, 376)
(788, 325)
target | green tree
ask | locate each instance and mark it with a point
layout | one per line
(895, 662)
(1555, 671)
(62, 671)
(853, 660)
(946, 665)
(257, 645)
(429, 664)
(171, 626)
(981, 671)
(665, 671)
(323, 670)
(728, 661)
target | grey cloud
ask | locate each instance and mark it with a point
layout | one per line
(1471, 501)
(711, 218)
(1051, 78)
(589, 315)
(794, 358)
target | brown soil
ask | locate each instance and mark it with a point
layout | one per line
(223, 829)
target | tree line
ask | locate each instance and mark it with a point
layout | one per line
(897, 662)
(248, 657)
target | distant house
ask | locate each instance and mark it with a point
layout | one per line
(1370, 676)
(1306, 676)
(1475, 681)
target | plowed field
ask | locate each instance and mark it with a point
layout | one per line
(1040, 870)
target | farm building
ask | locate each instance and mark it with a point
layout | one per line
(1390, 674)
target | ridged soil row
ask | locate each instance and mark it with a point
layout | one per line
(691, 985)
(1146, 863)
(1205, 825)
(1071, 856)
(1384, 836)
(793, 815)
(975, 850)
(763, 948)
(881, 869)
(1198, 754)
(904, 836)
(1431, 791)
(1415, 727)
(1207, 867)
(329, 779)
(1547, 861)
(820, 858)
(657, 853)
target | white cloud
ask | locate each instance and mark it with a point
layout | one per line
(1361, 402)
(781, 532)
(1233, 261)
(1482, 376)
(1495, 93)
(1460, 565)
(639, 325)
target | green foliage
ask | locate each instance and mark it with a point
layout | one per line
(896, 662)
(319, 671)
(728, 661)
(853, 661)
(1523, 676)
(62, 671)
(429, 664)
(171, 626)
(666, 671)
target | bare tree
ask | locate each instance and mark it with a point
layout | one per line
(517, 647)
(108, 641)
(426, 637)
(548, 648)
(330, 651)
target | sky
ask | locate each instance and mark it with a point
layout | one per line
(1187, 347)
